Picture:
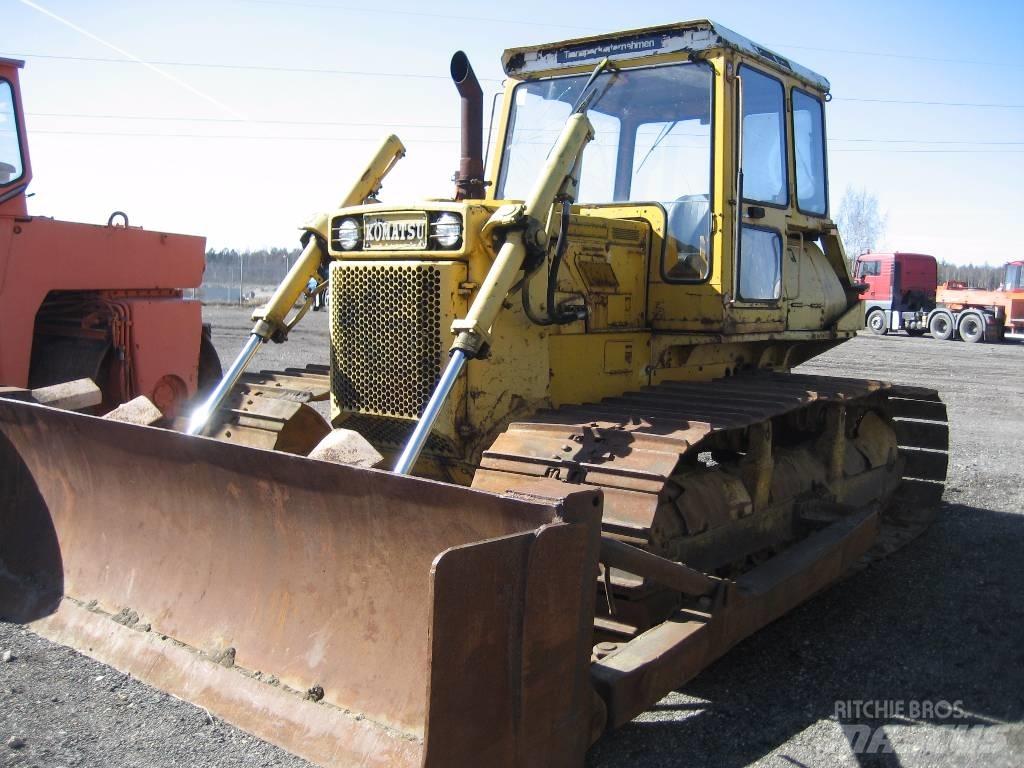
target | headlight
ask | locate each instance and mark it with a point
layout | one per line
(348, 234)
(447, 230)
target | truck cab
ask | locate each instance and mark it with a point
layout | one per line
(900, 290)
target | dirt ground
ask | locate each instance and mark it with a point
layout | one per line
(917, 660)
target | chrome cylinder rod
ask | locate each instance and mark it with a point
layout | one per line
(201, 415)
(426, 423)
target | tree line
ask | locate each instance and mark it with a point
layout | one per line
(982, 276)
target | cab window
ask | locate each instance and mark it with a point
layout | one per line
(652, 143)
(540, 110)
(760, 265)
(671, 164)
(1014, 277)
(870, 268)
(10, 146)
(809, 148)
(764, 139)
(597, 173)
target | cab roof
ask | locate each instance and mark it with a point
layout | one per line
(694, 36)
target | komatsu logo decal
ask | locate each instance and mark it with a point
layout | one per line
(633, 45)
(395, 230)
(400, 231)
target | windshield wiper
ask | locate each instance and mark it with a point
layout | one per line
(584, 100)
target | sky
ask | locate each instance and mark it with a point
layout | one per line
(240, 119)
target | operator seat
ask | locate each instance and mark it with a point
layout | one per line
(688, 226)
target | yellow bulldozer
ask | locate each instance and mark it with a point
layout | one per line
(572, 466)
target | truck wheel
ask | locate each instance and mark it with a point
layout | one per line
(876, 322)
(972, 328)
(941, 326)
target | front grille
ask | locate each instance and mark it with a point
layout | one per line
(393, 434)
(385, 337)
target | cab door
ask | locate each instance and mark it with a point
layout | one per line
(759, 283)
(869, 271)
(15, 169)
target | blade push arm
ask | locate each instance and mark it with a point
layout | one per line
(525, 226)
(271, 319)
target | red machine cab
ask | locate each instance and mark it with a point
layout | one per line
(93, 301)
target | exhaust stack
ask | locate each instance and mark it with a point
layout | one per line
(469, 182)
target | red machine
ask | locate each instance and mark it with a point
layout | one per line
(103, 302)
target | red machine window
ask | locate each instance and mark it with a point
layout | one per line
(10, 145)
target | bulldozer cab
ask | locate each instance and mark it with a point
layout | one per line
(689, 119)
(14, 165)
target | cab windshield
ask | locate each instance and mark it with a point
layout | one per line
(10, 146)
(652, 143)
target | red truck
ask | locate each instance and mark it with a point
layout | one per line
(902, 294)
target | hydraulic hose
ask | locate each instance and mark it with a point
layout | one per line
(554, 316)
(473, 332)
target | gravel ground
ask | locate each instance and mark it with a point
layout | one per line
(936, 627)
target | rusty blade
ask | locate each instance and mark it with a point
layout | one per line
(242, 579)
